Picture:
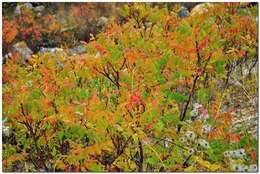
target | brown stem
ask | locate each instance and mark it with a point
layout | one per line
(189, 99)
(182, 117)
(229, 71)
(123, 64)
(251, 68)
(141, 154)
(107, 75)
(35, 138)
(150, 32)
(198, 53)
(185, 164)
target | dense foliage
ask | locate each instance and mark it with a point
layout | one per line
(146, 97)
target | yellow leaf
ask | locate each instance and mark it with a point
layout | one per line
(60, 164)
(206, 164)
(190, 169)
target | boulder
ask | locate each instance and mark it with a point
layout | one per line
(184, 12)
(22, 49)
(201, 8)
(50, 50)
(102, 21)
(28, 5)
(39, 8)
(6, 131)
(189, 5)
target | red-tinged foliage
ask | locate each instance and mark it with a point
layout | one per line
(150, 94)
(135, 98)
(100, 48)
(233, 138)
(203, 43)
(9, 31)
(253, 155)
(217, 133)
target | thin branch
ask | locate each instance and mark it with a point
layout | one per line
(123, 149)
(198, 53)
(141, 160)
(107, 75)
(150, 32)
(171, 142)
(122, 66)
(185, 164)
(182, 117)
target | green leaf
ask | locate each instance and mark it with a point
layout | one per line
(83, 93)
(153, 160)
(140, 43)
(145, 95)
(124, 11)
(176, 155)
(95, 167)
(220, 66)
(212, 156)
(177, 97)
(184, 28)
(170, 118)
(159, 126)
(160, 78)
(254, 144)
(116, 54)
(135, 138)
(203, 95)
(243, 141)
(161, 63)
(60, 135)
(176, 76)
(28, 107)
(36, 94)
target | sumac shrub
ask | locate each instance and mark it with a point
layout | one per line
(146, 97)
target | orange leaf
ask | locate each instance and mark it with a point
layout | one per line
(241, 53)
(130, 55)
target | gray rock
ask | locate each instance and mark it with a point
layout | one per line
(17, 10)
(39, 8)
(80, 49)
(50, 50)
(6, 131)
(201, 8)
(102, 21)
(39, 14)
(28, 5)
(184, 12)
(7, 56)
(22, 49)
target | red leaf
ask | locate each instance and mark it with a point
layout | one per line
(204, 43)
(241, 53)
(253, 156)
(148, 127)
(135, 98)
(199, 72)
(100, 48)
